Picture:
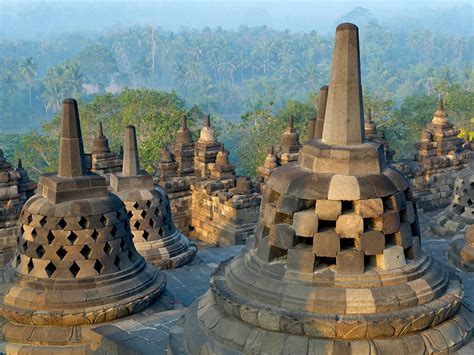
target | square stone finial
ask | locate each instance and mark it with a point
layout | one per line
(71, 148)
(344, 119)
(131, 165)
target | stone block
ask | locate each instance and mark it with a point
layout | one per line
(268, 252)
(350, 261)
(288, 204)
(408, 214)
(344, 187)
(414, 251)
(269, 214)
(326, 243)
(305, 223)
(392, 257)
(388, 223)
(328, 210)
(282, 236)
(301, 258)
(349, 225)
(371, 242)
(396, 201)
(404, 236)
(372, 208)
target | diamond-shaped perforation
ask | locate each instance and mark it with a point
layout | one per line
(107, 248)
(40, 251)
(136, 225)
(34, 233)
(152, 223)
(29, 218)
(43, 220)
(157, 212)
(103, 220)
(143, 214)
(72, 237)
(136, 205)
(86, 251)
(82, 222)
(98, 266)
(61, 252)
(31, 266)
(130, 214)
(18, 260)
(123, 244)
(50, 237)
(74, 269)
(114, 231)
(22, 230)
(148, 203)
(25, 246)
(62, 223)
(50, 269)
(117, 261)
(146, 235)
(161, 232)
(95, 235)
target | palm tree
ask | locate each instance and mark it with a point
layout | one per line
(27, 70)
(74, 78)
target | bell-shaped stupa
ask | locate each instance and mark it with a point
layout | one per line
(460, 213)
(461, 251)
(75, 262)
(148, 207)
(336, 266)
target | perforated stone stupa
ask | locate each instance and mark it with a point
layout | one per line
(75, 262)
(15, 189)
(148, 207)
(336, 266)
(103, 161)
(438, 158)
(461, 252)
(460, 213)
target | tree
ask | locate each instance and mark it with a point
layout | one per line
(27, 70)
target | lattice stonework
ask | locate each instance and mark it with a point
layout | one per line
(74, 247)
(382, 231)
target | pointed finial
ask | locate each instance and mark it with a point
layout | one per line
(290, 121)
(344, 118)
(131, 165)
(369, 115)
(121, 151)
(71, 148)
(323, 96)
(184, 122)
(101, 130)
(20, 164)
(441, 103)
(222, 148)
(207, 121)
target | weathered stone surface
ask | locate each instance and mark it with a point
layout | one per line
(326, 243)
(305, 223)
(350, 261)
(391, 258)
(349, 225)
(282, 236)
(371, 242)
(328, 210)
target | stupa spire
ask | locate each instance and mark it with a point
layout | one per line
(207, 121)
(20, 164)
(323, 96)
(71, 148)
(131, 166)
(344, 118)
(184, 122)
(101, 130)
(290, 122)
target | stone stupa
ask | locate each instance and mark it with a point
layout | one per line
(148, 207)
(460, 213)
(103, 161)
(336, 266)
(461, 251)
(75, 263)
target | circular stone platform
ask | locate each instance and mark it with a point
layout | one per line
(461, 252)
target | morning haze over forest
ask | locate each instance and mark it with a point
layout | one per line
(249, 64)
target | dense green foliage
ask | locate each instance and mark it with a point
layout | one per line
(221, 71)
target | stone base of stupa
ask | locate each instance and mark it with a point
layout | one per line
(448, 224)
(461, 252)
(253, 308)
(86, 339)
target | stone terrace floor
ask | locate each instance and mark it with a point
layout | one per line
(147, 332)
